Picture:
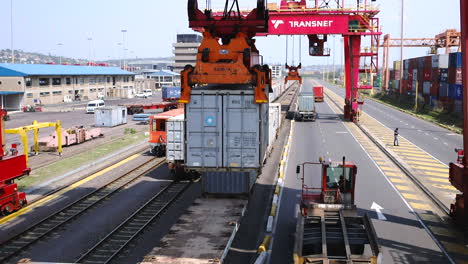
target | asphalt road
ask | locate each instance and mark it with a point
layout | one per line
(401, 236)
(435, 140)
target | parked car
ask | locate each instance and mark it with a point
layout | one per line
(141, 95)
(93, 105)
(148, 92)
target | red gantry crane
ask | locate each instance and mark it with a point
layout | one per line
(12, 167)
(459, 170)
(328, 17)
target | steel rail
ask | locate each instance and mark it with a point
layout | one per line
(111, 245)
(402, 167)
(37, 231)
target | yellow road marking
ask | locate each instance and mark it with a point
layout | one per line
(420, 206)
(392, 174)
(438, 174)
(59, 193)
(388, 168)
(446, 170)
(402, 187)
(420, 159)
(447, 186)
(410, 196)
(434, 164)
(414, 155)
(437, 179)
(398, 180)
(408, 151)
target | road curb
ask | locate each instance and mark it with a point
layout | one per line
(272, 218)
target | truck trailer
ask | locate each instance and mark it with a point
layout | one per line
(305, 107)
(318, 93)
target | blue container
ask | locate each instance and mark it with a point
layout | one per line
(455, 60)
(443, 75)
(443, 89)
(455, 91)
(421, 63)
(170, 93)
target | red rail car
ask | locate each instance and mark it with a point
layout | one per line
(158, 132)
(140, 108)
(12, 167)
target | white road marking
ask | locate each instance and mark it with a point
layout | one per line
(341, 132)
(445, 143)
(451, 134)
(375, 206)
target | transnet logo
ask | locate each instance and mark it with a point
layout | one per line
(276, 23)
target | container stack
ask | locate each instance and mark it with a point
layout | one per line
(455, 91)
(436, 78)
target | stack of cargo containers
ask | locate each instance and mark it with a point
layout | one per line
(455, 94)
(437, 79)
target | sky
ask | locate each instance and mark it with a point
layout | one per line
(152, 25)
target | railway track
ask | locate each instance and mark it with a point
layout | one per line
(438, 203)
(36, 232)
(115, 242)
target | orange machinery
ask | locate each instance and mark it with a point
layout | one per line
(158, 132)
(293, 74)
(12, 167)
(227, 54)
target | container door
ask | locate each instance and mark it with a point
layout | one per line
(241, 135)
(204, 136)
(175, 137)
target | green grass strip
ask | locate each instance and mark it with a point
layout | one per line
(67, 164)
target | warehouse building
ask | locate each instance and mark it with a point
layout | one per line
(29, 84)
(185, 50)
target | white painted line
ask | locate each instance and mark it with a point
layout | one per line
(436, 138)
(341, 132)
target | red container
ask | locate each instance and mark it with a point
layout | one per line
(435, 88)
(409, 86)
(435, 74)
(427, 74)
(410, 75)
(414, 63)
(420, 74)
(455, 75)
(428, 62)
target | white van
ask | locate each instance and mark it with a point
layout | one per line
(92, 105)
(148, 92)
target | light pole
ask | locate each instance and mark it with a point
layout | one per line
(60, 44)
(401, 48)
(90, 49)
(11, 32)
(124, 31)
(120, 60)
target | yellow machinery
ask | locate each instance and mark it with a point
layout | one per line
(22, 131)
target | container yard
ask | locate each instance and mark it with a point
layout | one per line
(194, 148)
(437, 80)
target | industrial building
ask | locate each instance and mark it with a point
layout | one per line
(29, 84)
(185, 50)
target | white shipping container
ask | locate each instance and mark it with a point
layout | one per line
(443, 61)
(426, 87)
(274, 123)
(225, 128)
(110, 116)
(175, 138)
